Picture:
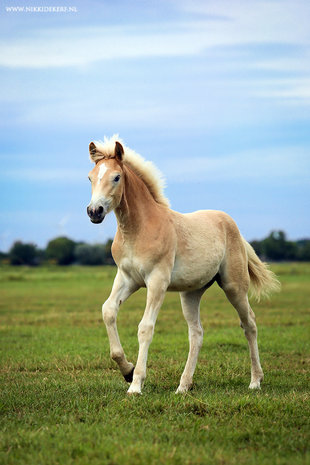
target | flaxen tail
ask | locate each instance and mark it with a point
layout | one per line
(263, 281)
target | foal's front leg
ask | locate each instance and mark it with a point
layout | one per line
(156, 289)
(122, 288)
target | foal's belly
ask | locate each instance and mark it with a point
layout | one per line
(192, 276)
(200, 250)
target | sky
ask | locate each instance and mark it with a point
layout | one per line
(215, 92)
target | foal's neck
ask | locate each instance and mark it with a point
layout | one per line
(137, 205)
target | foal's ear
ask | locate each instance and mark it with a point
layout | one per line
(119, 151)
(92, 152)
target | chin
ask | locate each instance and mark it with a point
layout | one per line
(97, 221)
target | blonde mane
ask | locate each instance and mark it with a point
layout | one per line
(146, 170)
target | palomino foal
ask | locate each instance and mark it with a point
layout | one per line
(163, 250)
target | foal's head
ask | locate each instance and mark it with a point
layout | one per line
(107, 182)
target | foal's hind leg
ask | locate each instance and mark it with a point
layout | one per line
(239, 299)
(190, 305)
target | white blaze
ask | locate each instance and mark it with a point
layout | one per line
(102, 170)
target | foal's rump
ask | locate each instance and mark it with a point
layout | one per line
(241, 264)
(209, 245)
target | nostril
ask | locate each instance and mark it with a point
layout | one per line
(88, 210)
(100, 210)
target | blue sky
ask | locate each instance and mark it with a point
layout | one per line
(215, 93)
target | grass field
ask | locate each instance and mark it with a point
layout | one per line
(63, 401)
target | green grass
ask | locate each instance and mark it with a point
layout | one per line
(63, 401)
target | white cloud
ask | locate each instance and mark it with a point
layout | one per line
(86, 46)
(134, 112)
(230, 23)
(282, 163)
(287, 164)
(299, 64)
(294, 90)
(257, 20)
(225, 79)
(43, 175)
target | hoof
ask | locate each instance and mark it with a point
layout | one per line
(181, 390)
(255, 385)
(134, 393)
(129, 376)
(184, 388)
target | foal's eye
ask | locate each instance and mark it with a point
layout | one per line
(89, 179)
(117, 178)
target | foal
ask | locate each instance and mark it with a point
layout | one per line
(163, 250)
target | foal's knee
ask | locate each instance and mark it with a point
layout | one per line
(108, 313)
(145, 331)
(197, 334)
(200, 337)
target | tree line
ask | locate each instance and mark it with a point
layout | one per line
(65, 251)
(276, 248)
(59, 251)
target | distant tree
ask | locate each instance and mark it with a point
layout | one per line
(303, 252)
(23, 254)
(87, 254)
(61, 251)
(257, 246)
(40, 256)
(277, 247)
(4, 256)
(274, 245)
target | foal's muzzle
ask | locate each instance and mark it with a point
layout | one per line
(96, 214)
